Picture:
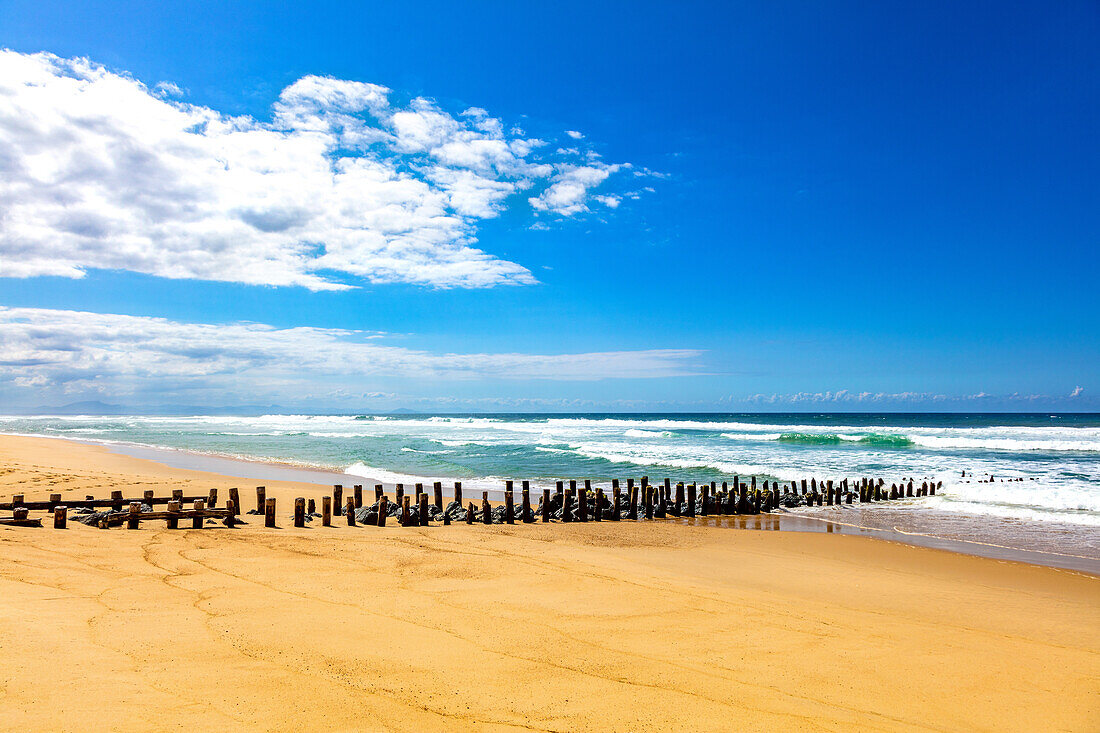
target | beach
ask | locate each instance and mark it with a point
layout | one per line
(612, 626)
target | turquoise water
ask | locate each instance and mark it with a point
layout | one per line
(1057, 455)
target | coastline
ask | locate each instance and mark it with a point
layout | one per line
(618, 626)
(882, 523)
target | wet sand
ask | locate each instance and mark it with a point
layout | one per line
(613, 626)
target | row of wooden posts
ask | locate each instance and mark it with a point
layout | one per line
(644, 500)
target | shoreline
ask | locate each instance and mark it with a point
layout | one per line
(643, 626)
(877, 522)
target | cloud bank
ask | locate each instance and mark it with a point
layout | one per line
(342, 186)
(59, 352)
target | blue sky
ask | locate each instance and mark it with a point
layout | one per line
(799, 206)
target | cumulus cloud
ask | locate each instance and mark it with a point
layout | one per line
(75, 352)
(343, 185)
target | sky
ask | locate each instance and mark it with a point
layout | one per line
(769, 206)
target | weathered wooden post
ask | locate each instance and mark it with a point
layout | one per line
(326, 511)
(300, 512)
(509, 508)
(597, 504)
(172, 521)
(311, 507)
(935, 486)
(437, 489)
(197, 519)
(559, 490)
(383, 510)
(235, 497)
(470, 513)
(678, 506)
(212, 498)
(647, 503)
(338, 497)
(486, 511)
(261, 499)
(567, 506)
(357, 495)
(690, 500)
(269, 513)
(458, 493)
(147, 497)
(399, 496)
(378, 491)
(349, 511)
(582, 505)
(60, 517)
(632, 503)
(422, 512)
(546, 505)
(704, 509)
(134, 517)
(615, 494)
(116, 500)
(404, 509)
(419, 491)
(525, 506)
(177, 495)
(231, 512)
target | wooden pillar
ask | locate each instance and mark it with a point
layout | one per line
(419, 491)
(486, 512)
(134, 517)
(147, 497)
(357, 495)
(300, 512)
(567, 506)
(172, 522)
(399, 496)
(116, 501)
(383, 508)
(378, 491)
(235, 497)
(615, 494)
(678, 506)
(582, 504)
(177, 495)
(231, 512)
(269, 513)
(470, 513)
(632, 503)
(690, 500)
(422, 511)
(546, 505)
(326, 511)
(261, 499)
(212, 498)
(597, 504)
(458, 492)
(198, 520)
(403, 509)
(349, 511)
(60, 517)
(525, 506)
(437, 489)
(338, 497)
(509, 508)
(705, 509)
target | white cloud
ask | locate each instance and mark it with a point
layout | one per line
(74, 352)
(569, 192)
(342, 186)
(574, 134)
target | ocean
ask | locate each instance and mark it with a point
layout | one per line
(1057, 456)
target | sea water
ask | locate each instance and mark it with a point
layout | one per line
(1058, 456)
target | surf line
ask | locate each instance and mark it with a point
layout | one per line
(937, 537)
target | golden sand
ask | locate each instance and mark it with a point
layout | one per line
(611, 626)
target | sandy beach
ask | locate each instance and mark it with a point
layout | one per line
(611, 626)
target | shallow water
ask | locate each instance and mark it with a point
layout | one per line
(1056, 507)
